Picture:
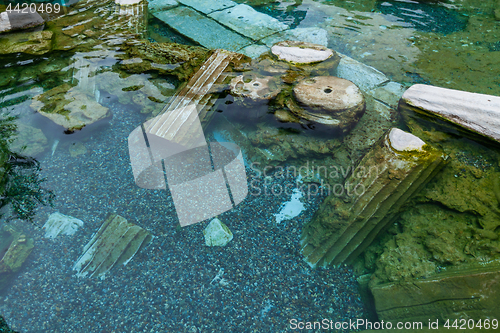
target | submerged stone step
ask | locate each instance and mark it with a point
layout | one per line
(207, 7)
(202, 29)
(249, 22)
(396, 167)
(473, 292)
(474, 112)
(115, 243)
(364, 76)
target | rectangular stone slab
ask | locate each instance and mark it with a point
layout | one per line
(201, 29)
(249, 22)
(365, 77)
(207, 7)
(475, 112)
(469, 293)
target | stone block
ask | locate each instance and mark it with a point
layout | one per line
(114, 244)
(19, 20)
(310, 35)
(395, 168)
(58, 224)
(473, 112)
(156, 6)
(254, 50)
(249, 22)
(202, 29)
(365, 77)
(207, 7)
(389, 93)
(217, 233)
(472, 292)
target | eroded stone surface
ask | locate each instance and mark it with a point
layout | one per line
(467, 293)
(60, 224)
(248, 22)
(404, 141)
(69, 107)
(365, 77)
(382, 182)
(217, 233)
(114, 244)
(208, 7)
(255, 88)
(329, 100)
(474, 112)
(313, 35)
(37, 42)
(19, 20)
(301, 52)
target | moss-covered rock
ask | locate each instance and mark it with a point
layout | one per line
(36, 42)
(70, 107)
(28, 141)
(15, 248)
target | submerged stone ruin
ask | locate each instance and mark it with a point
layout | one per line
(390, 173)
(114, 244)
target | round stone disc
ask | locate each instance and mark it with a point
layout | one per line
(329, 94)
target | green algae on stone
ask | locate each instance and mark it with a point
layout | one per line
(346, 223)
(37, 42)
(165, 58)
(114, 244)
(28, 141)
(15, 248)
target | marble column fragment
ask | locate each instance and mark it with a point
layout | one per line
(396, 167)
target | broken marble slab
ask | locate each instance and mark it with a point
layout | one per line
(114, 244)
(364, 76)
(202, 29)
(207, 7)
(351, 217)
(248, 22)
(254, 50)
(474, 112)
(60, 224)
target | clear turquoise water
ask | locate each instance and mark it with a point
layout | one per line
(169, 286)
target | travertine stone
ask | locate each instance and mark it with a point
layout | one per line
(301, 52)
(389, 93)
(115, 243)
(58, 224)
(329, 100)
(365, 77)
(310, 35)
(207, 7)
(202, 29)
(349, 220)
(248, 22)
(255, 88)
(474, 112)
(217, 233)
(473, 292)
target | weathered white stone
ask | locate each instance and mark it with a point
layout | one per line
(58, 224)
(202, 29)
(475, 112)
(127, 2)
(301, 52)
(217, 233)
(365, 77)
(404, 141)
(310, 35)
(4, 22)
(249, 22)
(207, 7)
(389, 93)
(291, 208)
